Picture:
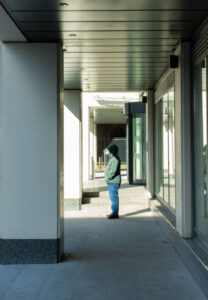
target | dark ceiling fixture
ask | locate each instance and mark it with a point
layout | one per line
(144, 99)
(173, 61)
(63, 4)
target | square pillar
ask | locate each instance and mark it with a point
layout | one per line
(85, 140)
(150, 144)
(92, 148)
(31, 153)
(183, 141)
(72, 150)
(95, 145)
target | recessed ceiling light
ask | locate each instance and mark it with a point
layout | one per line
(66, 48)
(63, 4)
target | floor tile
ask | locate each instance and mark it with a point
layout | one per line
(28, 283)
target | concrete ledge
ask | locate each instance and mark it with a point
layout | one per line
(72, 204)
(91, 194)
(25, 251)
(193, 255)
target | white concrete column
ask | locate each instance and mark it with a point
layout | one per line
(95, 144)
(150, 144)
(72, 150)
(92, 148)
(31, 153)
(85, 141)
(183, 141)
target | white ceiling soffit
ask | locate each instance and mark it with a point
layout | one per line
(109, 116)
(9, 32)
(110, 45)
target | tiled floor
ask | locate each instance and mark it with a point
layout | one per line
(125, 259)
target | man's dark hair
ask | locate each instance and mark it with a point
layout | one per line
(113, 149)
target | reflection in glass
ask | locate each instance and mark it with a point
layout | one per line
(165, 149)
(139, 165)
(204, 118)
(200, 151)
(158, 150)
(171, 130)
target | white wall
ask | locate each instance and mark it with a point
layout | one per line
(30, 94)
(87, 101)
(72, 145)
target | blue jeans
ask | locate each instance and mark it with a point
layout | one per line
(113, 194)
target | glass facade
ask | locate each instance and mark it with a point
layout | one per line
(200, 152)
(139, 151)
(165, 149)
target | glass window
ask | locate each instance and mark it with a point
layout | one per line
(200, 150)
(165, 149)
(171, 137)
(139, 151)
(158, 150)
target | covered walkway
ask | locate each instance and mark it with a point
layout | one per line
(128, 258)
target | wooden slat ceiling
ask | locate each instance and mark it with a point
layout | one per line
(111, 45)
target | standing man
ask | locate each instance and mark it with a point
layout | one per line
(113, 179)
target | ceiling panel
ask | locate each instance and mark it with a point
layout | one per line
(120, 42)
(102, 26)
(134, 68)
(107, 34)
(107, 5)
(68, 15)
(105, 77)
(130, 55)
(110, 45)
(114, 65)
(121, 60)
(118, 49)
(109, 81)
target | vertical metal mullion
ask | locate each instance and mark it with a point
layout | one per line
(163, 151)
(168, 153)
(174, 151)
(206, 208)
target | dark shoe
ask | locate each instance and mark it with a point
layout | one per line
(113, 216)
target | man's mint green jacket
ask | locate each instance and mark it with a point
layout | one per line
(112, 172)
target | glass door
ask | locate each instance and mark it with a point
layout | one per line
(139, 153)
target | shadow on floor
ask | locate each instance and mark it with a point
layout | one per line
(135, 213)
(105, 188)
